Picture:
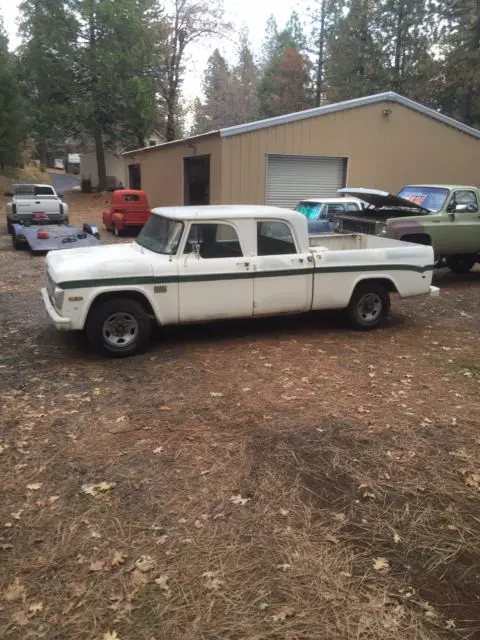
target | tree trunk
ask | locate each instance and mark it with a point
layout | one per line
(321, 56)
(171, 124)
(42, 149)
(100, 153)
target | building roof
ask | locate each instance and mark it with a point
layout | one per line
(225, 212)
(386, 97)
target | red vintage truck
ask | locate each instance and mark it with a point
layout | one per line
(129, 208)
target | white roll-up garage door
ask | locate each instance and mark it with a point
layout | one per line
(294, 178)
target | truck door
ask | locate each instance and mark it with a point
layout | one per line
(215, 274)
(283, 276)
(464, 211)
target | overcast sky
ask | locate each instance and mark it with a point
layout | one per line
(253, 13)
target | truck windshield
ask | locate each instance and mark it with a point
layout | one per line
(311, 210)
(432, 198)
(161, 235)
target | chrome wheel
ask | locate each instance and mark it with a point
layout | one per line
(120, 330)
(370, 307)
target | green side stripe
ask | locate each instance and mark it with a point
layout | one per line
(215, 277)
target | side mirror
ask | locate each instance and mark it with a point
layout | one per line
(451, 215)
(196, 250)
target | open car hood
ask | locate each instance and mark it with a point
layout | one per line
(382, 199)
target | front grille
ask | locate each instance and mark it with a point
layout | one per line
(356, 225)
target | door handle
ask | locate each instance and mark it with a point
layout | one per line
(243, 264)
(300, 260)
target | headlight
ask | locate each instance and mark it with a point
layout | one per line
(58, 295)
(381, 229)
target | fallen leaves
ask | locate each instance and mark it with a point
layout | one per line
(3, 447)
(111, 635)
(237, 499)
(396, 538)
(216, 394)
(97, 565)
(284, 614)
(14, 591)
(145, 563)
(98, 488)
(162, 581)
(381, 565)
(118, 558)
(34, 486)
(212, 583)
(473, 481)
(35, 607)
(20, 618)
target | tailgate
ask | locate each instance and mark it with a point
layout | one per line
(40, 205)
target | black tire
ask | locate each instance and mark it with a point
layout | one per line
(369, 305)
(17, 244)
(461, 263)
(101, 318)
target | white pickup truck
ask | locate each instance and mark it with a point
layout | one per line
(35, 204)
(196, 264)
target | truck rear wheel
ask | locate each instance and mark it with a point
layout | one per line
(461, 263)
(118, 328)
(369, 305)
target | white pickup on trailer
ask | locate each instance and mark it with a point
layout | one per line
(196, 264)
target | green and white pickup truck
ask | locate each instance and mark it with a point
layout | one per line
(447, 217)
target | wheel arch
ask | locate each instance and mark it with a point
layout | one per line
(384, 281)
(131, 294)
(417, 238)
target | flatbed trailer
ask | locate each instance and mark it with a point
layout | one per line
(41, 238)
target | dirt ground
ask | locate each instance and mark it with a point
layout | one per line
(282, 479)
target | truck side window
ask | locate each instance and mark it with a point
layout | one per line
(352, 206)
(215, 240)
(467, 198)
(274, 238)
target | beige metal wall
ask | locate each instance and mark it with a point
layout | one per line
(162, 169)
(384, 152)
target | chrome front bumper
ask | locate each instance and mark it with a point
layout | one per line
(434, 292)
(61, 323)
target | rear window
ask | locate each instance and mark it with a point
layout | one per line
(130, 197)
(432, 198)
(43, 191)
(311, 210)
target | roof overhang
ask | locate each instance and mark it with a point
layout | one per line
(190, 141)
(386, 97)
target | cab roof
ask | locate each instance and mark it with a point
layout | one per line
(222, 212)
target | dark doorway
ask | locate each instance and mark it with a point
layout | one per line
(134, 176)
(196, 180)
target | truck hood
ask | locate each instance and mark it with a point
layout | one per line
(99, 263)
(383, 199)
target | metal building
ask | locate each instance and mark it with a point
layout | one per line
(383, 141)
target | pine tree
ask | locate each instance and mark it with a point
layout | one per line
(11, 107)
(114, 89)
(324, 15)
(285, 81)
(245, 82)
(357, 66)
(49, 30)
(461, 47)
(216, 111)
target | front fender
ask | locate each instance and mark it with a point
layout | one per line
(78, 302)
(398, 229)
(118, 219)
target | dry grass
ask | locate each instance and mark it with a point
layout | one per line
(344, 449)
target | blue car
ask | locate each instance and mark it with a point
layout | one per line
(321, 212)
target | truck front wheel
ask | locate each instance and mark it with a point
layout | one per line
(461, 263)
(118, 328)
(369, 305)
